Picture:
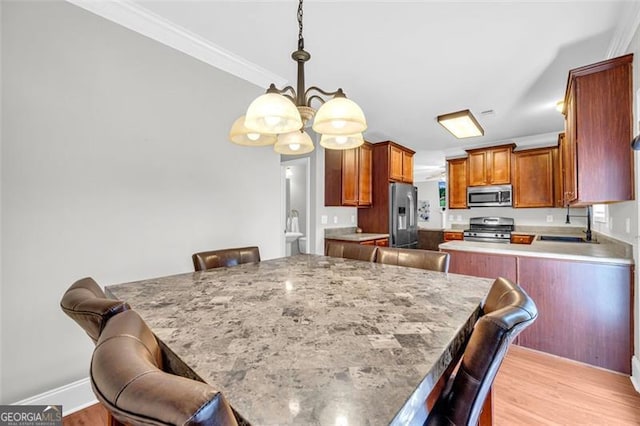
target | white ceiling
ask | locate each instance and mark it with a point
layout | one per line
(406, 62)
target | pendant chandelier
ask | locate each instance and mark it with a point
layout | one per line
(279, 116)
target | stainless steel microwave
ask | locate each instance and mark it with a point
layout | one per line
(489, 196)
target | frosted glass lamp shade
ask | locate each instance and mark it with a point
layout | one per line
(242, 136)
(341, 141)
(273, 113)
(339, 116)
(293, 143)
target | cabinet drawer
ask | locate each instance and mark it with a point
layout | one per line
(383, 242)
(453, 235)
(522, 238)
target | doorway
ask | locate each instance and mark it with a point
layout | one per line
(296, 206)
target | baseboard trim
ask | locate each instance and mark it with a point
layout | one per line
(73, 397)
(635, 373)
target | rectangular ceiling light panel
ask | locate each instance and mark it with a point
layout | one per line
(461, 124)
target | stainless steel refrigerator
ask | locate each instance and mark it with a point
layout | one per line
(403, 215)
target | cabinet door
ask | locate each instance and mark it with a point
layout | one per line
(407, 167)
(482, 265)
(350, 177)
(365, 167)
(568, 153)
(533, 178)
(499, 163)
(603, 132)
(584, 310)
(477, 162)
(457, 183)
(395, 164)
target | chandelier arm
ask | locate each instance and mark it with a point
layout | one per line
(290, 89)
(312, 97)
(338, 92)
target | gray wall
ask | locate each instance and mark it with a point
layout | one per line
(116, 165)
(429, 191)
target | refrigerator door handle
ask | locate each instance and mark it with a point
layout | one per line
(412, 218)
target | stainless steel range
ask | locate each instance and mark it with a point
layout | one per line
(489, 229)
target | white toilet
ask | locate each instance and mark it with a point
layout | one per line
(302, 244)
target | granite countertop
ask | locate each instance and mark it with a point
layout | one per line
(605, 250)
(358, 237)
(314, 340)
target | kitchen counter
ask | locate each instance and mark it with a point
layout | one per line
(358, 237)
(604, 251)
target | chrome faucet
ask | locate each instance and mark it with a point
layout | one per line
(588, 234)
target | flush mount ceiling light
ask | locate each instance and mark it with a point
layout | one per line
(461, 124)
(280, 114)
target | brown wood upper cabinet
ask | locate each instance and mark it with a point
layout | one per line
(457, 182)
(400, 164)
(533, 177)
(391, 163)
(597, 159)
(347, 177)
(490, 166)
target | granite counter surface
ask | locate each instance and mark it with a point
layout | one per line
(358, 237)
(313, 340)
(604, 251)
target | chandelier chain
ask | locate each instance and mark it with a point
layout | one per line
(300, 38)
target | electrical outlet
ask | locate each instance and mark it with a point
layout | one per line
(459, 218)
(324, 219)
(335, 219)
(549, 218)
(627, 225)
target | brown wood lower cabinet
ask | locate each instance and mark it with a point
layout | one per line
(585, 309)
(482, 264)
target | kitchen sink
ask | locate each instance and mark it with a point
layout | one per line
(564, 239)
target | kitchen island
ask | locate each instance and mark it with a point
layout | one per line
(314, 340)
(584, 293)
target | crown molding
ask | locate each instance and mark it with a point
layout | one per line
(141, 20)
(625, 31)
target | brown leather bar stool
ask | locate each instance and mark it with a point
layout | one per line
(85, 303)
(506, 311)
(127, 378)
(413, 258)
(353, 251)
(225, 257)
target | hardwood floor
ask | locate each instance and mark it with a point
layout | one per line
(91, 416)
(535, 388)
(532, 388)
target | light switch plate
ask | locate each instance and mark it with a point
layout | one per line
(549, 218)
(324, 219)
